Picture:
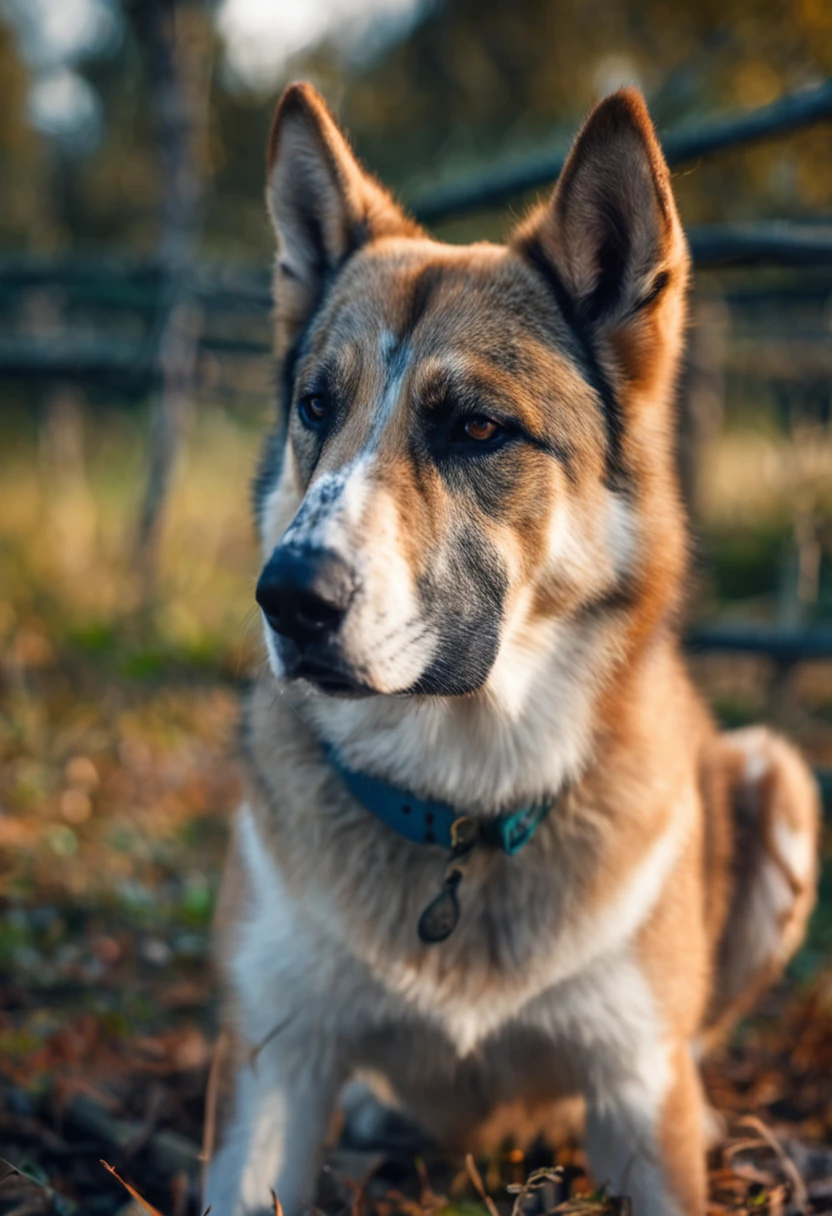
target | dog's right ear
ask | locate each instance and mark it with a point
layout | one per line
(322, 204)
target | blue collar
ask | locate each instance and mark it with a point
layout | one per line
(427, 822)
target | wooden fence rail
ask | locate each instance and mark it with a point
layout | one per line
(124, 286)
(135, 282)
(496, 185)
(783, 645)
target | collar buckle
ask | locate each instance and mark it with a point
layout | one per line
(465, 832)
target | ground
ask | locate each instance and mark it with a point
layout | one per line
(118, 773)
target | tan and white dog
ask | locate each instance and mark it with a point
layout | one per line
(474, 557)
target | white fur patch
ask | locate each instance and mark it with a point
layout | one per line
(384, 632)
(271, 939)
(757, 765)
(754, 742)
(796, 849)
(579, 557)
(333, 505)
(771, 899)
(386, 407)
(565, 548)
(619, 919)
(622, 534)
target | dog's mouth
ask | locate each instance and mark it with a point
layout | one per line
(324, 670)
(332, 681)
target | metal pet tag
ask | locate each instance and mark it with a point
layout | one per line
(440, 917)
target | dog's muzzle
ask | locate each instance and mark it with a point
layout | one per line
(305, 595)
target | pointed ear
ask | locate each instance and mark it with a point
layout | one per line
(322, 204)
(611, 243)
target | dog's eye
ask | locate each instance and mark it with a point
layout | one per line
(480, 430)
(477, 431)
(312, 409)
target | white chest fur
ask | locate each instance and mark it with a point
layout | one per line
(291, 955)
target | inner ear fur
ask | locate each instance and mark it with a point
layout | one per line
(610, 239)
(323, 206)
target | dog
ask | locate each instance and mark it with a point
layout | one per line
(493, 848)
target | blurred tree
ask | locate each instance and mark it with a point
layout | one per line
(176, 38)
(22, 159)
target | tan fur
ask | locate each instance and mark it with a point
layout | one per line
(627, 935)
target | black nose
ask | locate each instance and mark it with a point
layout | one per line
(304, 593)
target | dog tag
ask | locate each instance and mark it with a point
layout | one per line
(441, 916)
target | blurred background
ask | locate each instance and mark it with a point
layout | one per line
(135, 381)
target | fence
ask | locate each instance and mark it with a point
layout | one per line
(108, 308)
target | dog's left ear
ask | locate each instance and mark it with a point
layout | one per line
(322, 203)
(610, 241)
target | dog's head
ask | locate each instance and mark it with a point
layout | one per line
(475, 442)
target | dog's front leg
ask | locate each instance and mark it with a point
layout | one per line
(282, 1105)
(645, 1134)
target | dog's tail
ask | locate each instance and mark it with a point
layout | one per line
(774, 825)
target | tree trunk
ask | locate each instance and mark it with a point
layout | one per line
(175, 35)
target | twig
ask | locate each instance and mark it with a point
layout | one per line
(800, 1195)
(535, 1180)
(7, 1170)
(209, 1126)
(476, 1178)
(254, 1054)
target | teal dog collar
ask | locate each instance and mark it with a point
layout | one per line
(425, 821)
